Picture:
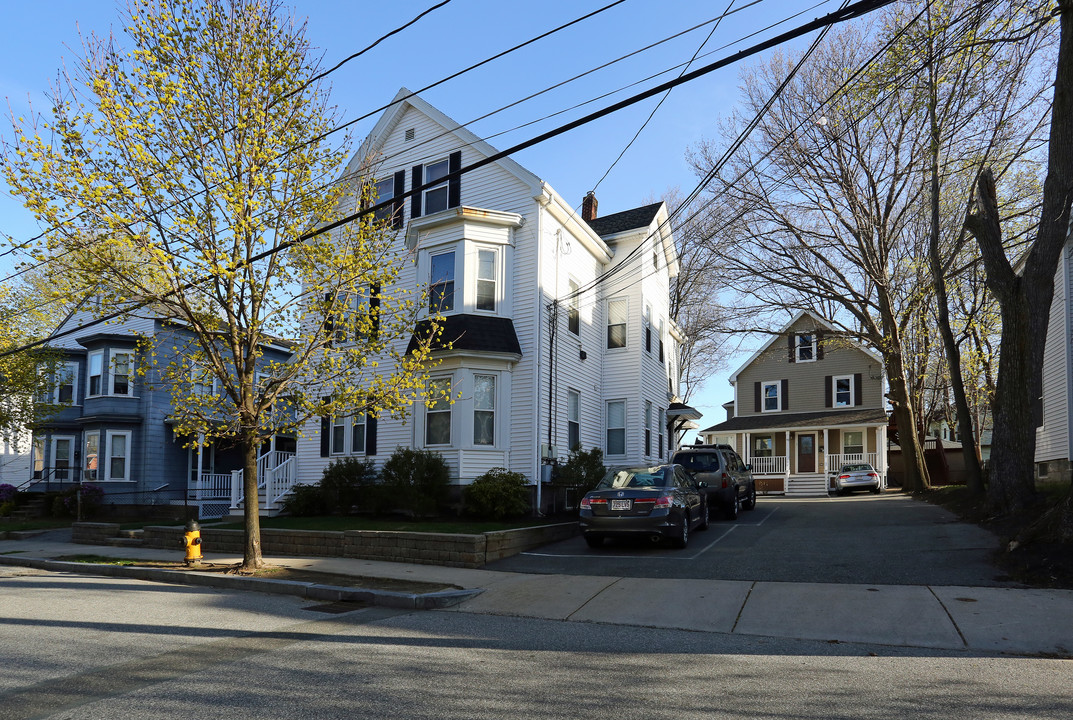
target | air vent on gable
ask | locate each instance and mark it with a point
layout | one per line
(410, 134)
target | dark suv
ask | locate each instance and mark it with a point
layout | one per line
(730, 481)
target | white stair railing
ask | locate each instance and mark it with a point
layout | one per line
(268, 470)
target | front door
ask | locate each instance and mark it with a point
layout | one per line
(806, 453)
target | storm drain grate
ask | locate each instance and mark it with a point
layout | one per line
(336, 608)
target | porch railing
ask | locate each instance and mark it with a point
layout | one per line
(835, 462)
(769, 465)
(213, 486)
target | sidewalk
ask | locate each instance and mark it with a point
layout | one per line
(1017, 621)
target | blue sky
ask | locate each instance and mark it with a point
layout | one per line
(40, 35)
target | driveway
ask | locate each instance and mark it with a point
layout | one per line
(882, 539)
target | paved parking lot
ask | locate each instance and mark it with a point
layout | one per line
(886, 539)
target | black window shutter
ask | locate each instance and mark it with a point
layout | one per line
(454, 185)
(858, 389)
(370, 435)
(397, 203)
(828, 391)
(756, 397)
(329, 318)
(791, 348)
(325, 436)
(819, 345)
(374, 308)
(417, 179)
(785, 394)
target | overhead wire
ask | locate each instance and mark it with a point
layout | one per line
(850, 12)
(394, 102)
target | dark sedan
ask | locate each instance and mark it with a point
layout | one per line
(655, 502)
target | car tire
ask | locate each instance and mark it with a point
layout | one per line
(705, 518)
(594, 541)
(683, 538)
(750, 502)
(875, 491)
(734, 506)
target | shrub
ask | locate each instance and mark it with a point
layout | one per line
(346, 482)
(92, 499)
(582, 470)
(7, 493)
(6, 508)
(498, 494)
(305, 501)
(416, 481)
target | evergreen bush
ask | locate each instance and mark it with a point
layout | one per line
(497, 495)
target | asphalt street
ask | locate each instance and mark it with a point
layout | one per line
(116, 648)
(883, 539)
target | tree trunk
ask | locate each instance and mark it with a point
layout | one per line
(251, 553)
(973, 479)
(1025, 300)
(915, 474)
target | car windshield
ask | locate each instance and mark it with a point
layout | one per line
(698, 461)
(632, 478)
(856, 468)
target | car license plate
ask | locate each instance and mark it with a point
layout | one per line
(620, 504)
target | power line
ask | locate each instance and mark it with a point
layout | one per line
(851, 12)
(368, 114)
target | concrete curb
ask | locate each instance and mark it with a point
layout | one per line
(307, 590)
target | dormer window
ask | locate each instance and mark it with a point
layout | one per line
(806, 347)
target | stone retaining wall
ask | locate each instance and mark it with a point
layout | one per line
(449, 549)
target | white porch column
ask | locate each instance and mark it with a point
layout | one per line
(746, 446)
(786, 473)
(881, 452)
(200, 465)
(826, 450)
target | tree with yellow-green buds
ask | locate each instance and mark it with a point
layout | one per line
(176, 174)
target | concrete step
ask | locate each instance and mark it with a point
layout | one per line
(124, 542)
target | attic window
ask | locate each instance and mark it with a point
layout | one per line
(410, 134)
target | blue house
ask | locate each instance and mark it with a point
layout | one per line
(115, 426)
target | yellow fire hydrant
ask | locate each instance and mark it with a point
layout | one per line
(192, 542)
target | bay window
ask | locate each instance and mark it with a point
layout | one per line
(119, 456)
(96, 373)
(91, 456)
(442, 283)
(121, 380)
(484, 406)
(438, 413)
(486, 280)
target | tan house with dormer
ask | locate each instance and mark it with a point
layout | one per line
(806, 402)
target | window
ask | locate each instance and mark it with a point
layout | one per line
(843, 389)
(655, 259)
(438, 413)
(484, 407)
(648, 328)
(573, 419)
(770, 397)
(661, 341)
(367, 309)
(96, 371)
(385, 190)
(648, 427)
(486, 280)
(763, 446)
(616, 427)
(853, 442)
(202, 380)
(91, 456)
(806, 347)
(573, 309)
(442, 283)
(616, 322)
(436, 197)
(66, 378)
(662, 425)
(121, 381)
(357, 434)
(61, 458)
(338, 435)
(118, 455)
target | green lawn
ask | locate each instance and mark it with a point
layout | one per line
(341, 522)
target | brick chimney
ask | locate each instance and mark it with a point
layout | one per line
(588, 206)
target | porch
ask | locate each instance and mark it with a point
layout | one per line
(796, 463)
(219, 494)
